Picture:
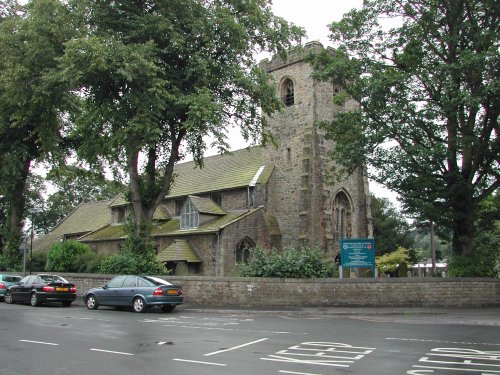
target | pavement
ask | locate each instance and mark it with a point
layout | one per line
(489, 313)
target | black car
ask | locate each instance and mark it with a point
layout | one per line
(37, 289)
(137, 292)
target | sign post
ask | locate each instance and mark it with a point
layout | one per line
(358, 253)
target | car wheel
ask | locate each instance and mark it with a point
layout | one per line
(139, 305)
(8, 297)
(34, 300)
(91, 302)
(167, 308)
(66, 303)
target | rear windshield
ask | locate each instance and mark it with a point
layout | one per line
(53, 278)
(157, 280)
(12, 279)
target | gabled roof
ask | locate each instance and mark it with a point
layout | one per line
(220, 172)
(170, 227)
(206, 206)
(86, 217)
(179, 250)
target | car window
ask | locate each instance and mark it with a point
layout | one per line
(25, 279)
(52, 278)
(144, 282)
(11, 279)
(157, 280)
(129, 282)
(116, 282)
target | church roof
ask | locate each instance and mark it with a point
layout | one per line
(206, 205)
(220, 172)
(169, 228)
(179, 250)
(84, 218)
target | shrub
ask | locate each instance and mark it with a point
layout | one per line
(291, 263)
(391, 263)
(39, 261)
(128, 262)
(61, 256)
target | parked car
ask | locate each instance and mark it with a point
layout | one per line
(138, 292)
(6, 281)
(37, 289)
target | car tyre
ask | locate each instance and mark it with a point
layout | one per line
(91, 302)
(34, 300)
(139, 305)
(167, 308)
(8, 297)
(66, 303)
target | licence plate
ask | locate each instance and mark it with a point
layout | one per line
(61, 289)
(172, 291)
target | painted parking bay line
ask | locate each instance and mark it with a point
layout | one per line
(39, 342)
(235, 347)
(110, 351)
(200, 362)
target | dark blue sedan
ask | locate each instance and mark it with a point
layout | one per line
(138, 292)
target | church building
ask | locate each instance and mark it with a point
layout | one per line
(272, 197)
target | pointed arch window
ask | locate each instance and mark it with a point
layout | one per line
(288, 92)
(243, 250)
(342, 225)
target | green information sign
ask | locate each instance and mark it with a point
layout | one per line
(357, 253)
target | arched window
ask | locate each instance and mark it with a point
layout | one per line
(287, 92)
(243, 250)
(342, 225)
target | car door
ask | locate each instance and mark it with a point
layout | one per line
(109, 294)
(128, 290)
(21, 291)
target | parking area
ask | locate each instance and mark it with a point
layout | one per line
(107, 341)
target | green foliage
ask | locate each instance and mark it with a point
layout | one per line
(428, 90)
(61, 256)
(130, 262)
(484, 261)
(87, 262)
(391, 263)
(390, 228)
(163, 77)
(38, 261)
(292, 263)
(136, 256)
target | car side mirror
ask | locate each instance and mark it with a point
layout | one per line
(105, 286)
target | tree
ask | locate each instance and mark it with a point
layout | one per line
(390, 228)
(32, 100)
(429, 103)
(158, 77)
(394, 263)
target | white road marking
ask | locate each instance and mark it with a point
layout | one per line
(297, 373)
(236, 347)
(110, 351)
(39, 342)
(485, 372)
(443, 342)
(200, 362)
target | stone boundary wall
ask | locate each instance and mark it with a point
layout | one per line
(267, 292)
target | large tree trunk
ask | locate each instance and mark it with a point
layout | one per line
(464, 207)
(17, 201)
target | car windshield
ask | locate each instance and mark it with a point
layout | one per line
(53, 278)
(12, 279)
(157, 280)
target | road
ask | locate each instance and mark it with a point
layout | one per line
(51, 340)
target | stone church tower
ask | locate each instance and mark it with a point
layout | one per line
(310, 211)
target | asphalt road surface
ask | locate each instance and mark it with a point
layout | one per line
(52, 340)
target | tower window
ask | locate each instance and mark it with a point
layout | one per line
(287, 92)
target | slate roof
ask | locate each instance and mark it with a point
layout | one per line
(220, 172)
(86, 217)
(170, 228)
(206, 206)
(179, 250)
